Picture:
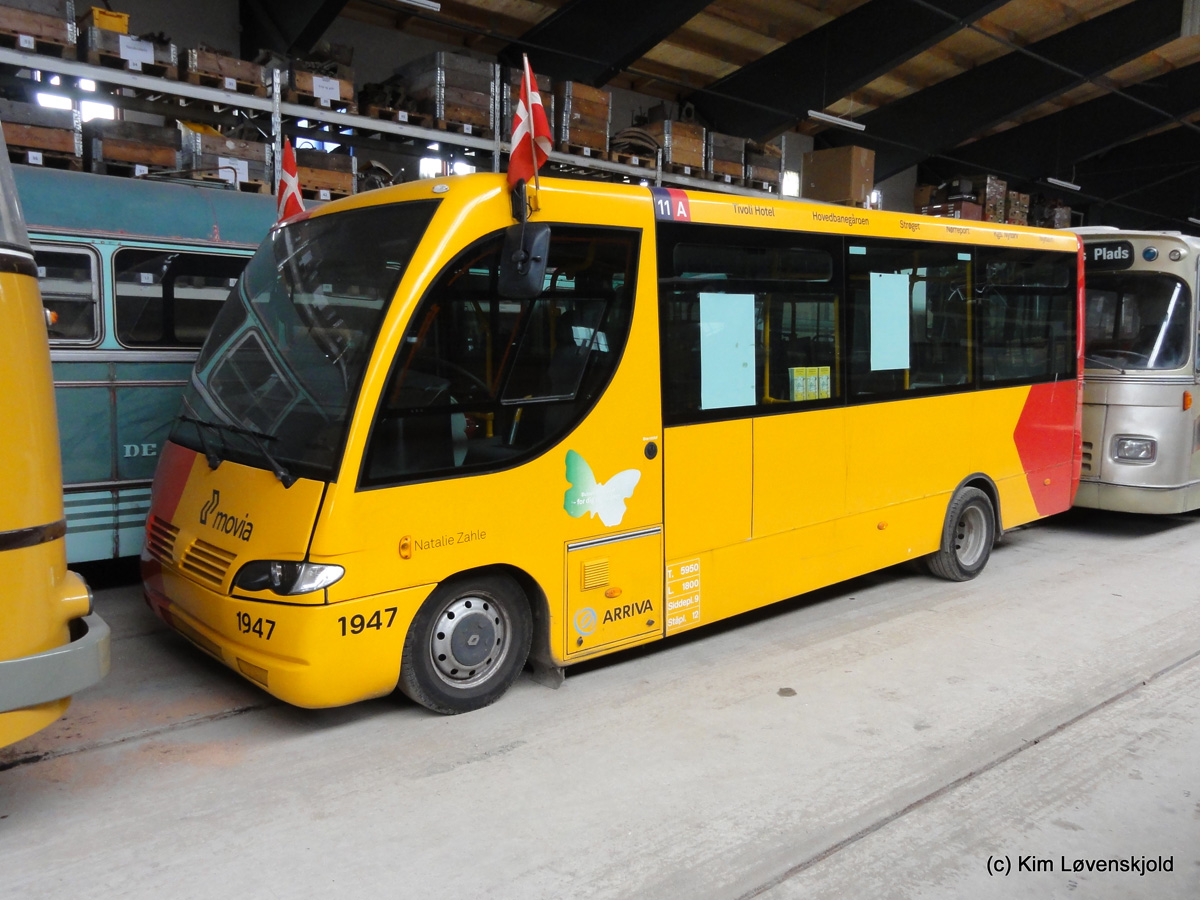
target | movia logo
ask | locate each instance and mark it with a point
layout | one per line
(223, 521)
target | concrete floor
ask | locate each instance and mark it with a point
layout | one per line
(884, 738)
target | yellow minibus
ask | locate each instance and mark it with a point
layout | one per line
(439, 431)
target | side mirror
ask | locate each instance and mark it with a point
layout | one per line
(523, 260)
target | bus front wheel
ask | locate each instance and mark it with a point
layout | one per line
(467, 644)
(967, 537)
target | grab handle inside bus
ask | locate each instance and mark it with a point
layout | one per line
(523, 258)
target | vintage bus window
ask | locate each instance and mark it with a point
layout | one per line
(1027, 302)
(70, 293)
(909, 322)
(748, 321)
(481, 381)
(170, 298)
(286, 353)
(1137, 320)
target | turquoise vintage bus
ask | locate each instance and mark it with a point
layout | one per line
(132, 273)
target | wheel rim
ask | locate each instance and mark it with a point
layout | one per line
(469, 641)
(971, 536)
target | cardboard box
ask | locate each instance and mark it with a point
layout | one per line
(99, 17)
(925, 195)
(955, 209)
(838, 175)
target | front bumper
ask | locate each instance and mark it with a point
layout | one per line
(306, 655)
(61, 672)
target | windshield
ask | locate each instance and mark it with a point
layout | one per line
(276, 378)
(1137, 320)
(12, 226)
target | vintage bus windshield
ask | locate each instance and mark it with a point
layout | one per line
(278, 374)
(1137, 320)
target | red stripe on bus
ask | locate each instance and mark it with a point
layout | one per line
(1046, 437)
(170, 478)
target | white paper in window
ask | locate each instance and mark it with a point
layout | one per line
(235, 171)
(727, 371)
(889, 321)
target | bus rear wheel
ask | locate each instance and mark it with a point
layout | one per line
(967, 537)
(467, 644)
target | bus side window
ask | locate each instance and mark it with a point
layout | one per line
(70, 292)
(480, 380)
(170, 298)
(747, 319)
(909, 319)
(1027, 329)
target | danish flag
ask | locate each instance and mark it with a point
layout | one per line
(531, 141)
(289, 200)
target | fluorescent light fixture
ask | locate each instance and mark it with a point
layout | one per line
(424, 4)
(1058, 182)
(1194, 220)
(836, 120)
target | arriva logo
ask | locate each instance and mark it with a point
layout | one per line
(222, 521)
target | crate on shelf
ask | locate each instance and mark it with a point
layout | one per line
(207, 154)
(129, 148)
(212, 69)
(725, 156)
(39, 26)
(584, 116)
(1016, 208)
(764, 161)
(41, 136)
(837, 175)
(101, 47)
(334, 92)
(510, 76)
(955, 209)
(98, 17)
(325, 176)
(458, 90)
(682, 145)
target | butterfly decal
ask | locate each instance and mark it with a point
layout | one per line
(587, 495)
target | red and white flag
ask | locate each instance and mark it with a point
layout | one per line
(531, 141)
(288, 196)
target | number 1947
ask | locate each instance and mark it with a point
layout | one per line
(359, 623)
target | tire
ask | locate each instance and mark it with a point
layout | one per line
(967, 537)
(446, 665)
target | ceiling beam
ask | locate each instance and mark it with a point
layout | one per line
(592, 41)
(291, 27)
(830, 62)
(1055, 145)
(944, 115)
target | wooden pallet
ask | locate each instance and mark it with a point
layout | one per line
(39, 137)
(462, 128)
(344, 106)
(44, 46)
(249, 186)
(320, 195)
(113, 61)
(402, 116)
(685, 171)
(123, 169)
(581, 150)
(48, 159)
(226, 83)
(633, 159)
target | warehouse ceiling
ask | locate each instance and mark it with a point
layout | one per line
(1102, 94)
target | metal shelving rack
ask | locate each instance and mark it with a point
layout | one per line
(274, 107)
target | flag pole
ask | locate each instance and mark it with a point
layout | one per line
(528, 76)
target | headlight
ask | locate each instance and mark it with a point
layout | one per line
(286, 578)
(1136, 449)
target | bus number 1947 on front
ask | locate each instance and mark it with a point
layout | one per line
(359, 623)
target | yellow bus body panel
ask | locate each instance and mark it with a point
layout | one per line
(40, 596)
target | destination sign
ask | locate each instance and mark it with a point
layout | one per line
(1108, 255)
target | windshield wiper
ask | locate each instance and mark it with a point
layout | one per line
(211, 456)
(256, 438)
(1104, 363)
